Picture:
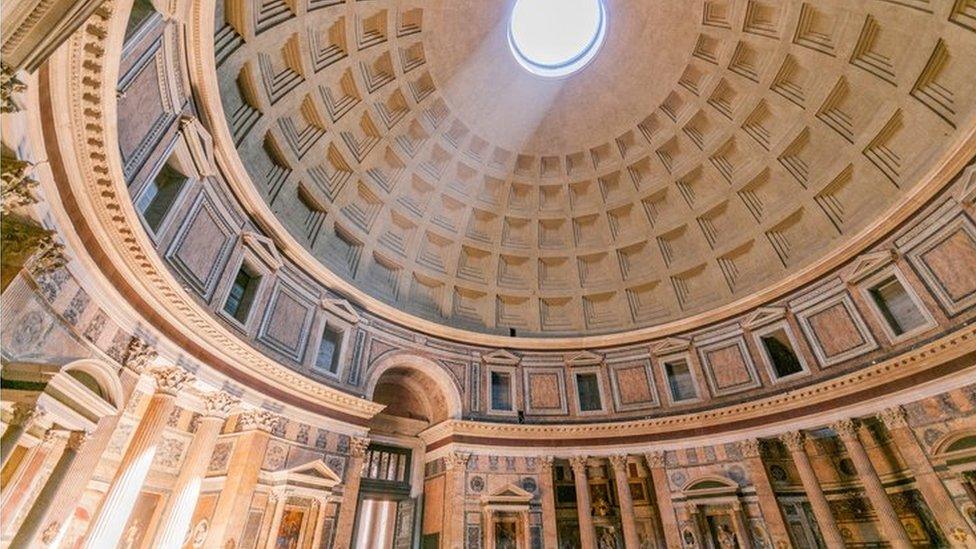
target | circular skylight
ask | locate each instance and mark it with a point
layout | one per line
(556, 37)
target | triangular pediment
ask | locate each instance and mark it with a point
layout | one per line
(670, 345)
(341, 308)
(200, 143)
(510, 494)
(313, 471)
(763, 316)
(583, 358)
(501, 357)
(265, 249)
(869, 264)
(967, 191)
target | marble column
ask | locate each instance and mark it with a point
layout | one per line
(346, 522)
(32, 471)
(24, 415)
(319, 507)
(35, 517)
(584, 507)
(106, 530)
(772, 514)
(794, 442)
(619, 466)
(178, 511)
(550, 537)
(243, 468)
(280, 498)
(891, 527)
(62, 510)
(662, 494)
(946, 513)
(457, 466)
(742, 529)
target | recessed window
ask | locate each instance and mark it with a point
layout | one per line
(897, 306)
(779, 349)
(327, 359)
(556, 37)
(160, 194)
(588, 391)
(241, 294)
(501, 391)
(680, 381)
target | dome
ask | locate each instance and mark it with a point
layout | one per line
(469, 273)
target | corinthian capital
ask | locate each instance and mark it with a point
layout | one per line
(219, 404)
(618, 463)
(77, 439)
(263, 420)
(794, 440)
(578, 463)
(545, 464)
(358, 447)
(846, 429)
(170, 380)
(457, 460)
(656, 459)
(138, 355)
(750, 447)
(26, 412)
(894, 418)
(16, 185)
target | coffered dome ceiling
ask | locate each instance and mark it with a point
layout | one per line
(710, 149)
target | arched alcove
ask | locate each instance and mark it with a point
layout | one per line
(414, 388)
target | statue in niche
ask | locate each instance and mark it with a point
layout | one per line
(608, 539)
(726, 538)
(505, 537)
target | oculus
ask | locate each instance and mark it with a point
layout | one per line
(554, 38)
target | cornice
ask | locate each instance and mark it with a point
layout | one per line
(867, 391)
(78, 86)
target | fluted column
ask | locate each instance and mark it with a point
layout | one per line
(794, 441)
(178, 511)
(619, 465)
(947, 515)
(457, 465)
(669, 522)
(319, 506)
(584, 507)
(57, 523)
(243, 468)
(350, 493)
(742, 531)
(17, 496)
(550, 538)
(34, 520)
(891, 526)
(280, 496)
(24, 415)
(131, 474)
(772, 514)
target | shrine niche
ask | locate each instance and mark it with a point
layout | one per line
(506, 515)
(716, 515)
(298, 504)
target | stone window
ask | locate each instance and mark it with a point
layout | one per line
(501, 391)
(158, 197)
(779, 351)
(588, 391)
(241, 294)
(896, 306)
(680, 380)
(330, 346)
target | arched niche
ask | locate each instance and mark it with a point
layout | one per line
(81, 393)
(414, 388)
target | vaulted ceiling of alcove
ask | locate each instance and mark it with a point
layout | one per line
(711, 148)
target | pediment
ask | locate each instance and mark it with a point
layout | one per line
(870, 263)
(200, 143)
(763, 316)
(670, 345)
(313, 472)
(584, 358)
(501, 357)
(265, 249)
(341, 308)
(509, 494)
(967, 191)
